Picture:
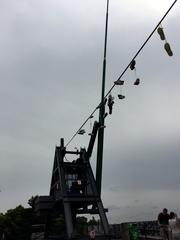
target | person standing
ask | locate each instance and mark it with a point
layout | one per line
(174, 225)
(163, 220)
(92, 235)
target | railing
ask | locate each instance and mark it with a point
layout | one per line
(150, 228)
(136, 230)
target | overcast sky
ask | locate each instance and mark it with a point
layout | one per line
(51, 55)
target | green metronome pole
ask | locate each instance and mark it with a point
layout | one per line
(101, 115)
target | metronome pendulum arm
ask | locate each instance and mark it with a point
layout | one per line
(101, 115)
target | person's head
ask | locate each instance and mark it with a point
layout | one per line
(172, 215)
(165, 211)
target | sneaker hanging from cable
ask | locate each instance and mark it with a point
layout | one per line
(120, 96)
(81, 132)
(132, 64)
(137, 81)
(110, 103)
(119, 82)
(161, 32)
(167, 47)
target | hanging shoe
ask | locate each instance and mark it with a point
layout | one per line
(168, 49)
(110, 110)
(119, 82)
(81, 131)
(110, 103)
(132, 65)
(161, 33)
(137, 82)
(120, 96)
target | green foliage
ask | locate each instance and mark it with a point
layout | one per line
(1, 223)
(58, 226)
(133, 231)
(32, 200)
(16, 223)
(81, 220)
(92, 222)
(81, 225)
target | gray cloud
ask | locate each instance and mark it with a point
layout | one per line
(50, 71)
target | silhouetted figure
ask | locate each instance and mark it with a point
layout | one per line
(163, 220)
(74, 189)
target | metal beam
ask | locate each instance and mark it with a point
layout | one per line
(101, 115)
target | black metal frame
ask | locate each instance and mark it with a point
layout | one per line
(73, 189)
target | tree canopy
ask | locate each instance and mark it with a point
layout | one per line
(16, 223)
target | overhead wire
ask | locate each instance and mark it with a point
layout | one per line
(136, 54)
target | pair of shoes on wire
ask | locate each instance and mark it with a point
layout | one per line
(167, 46)
(132, 67)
